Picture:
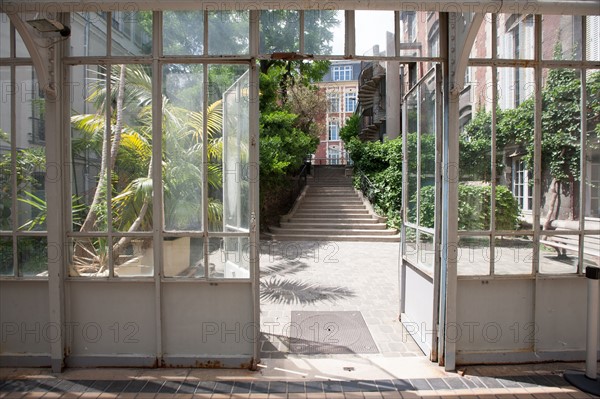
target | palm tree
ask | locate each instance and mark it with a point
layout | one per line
(131, 160)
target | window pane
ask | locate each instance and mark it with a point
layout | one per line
(133, 256)
(412, 120)
(515, 36)
(559, 253)
(182, 148)
(228, 32)
(131, 32)
(592, 34)
(473, 256)
(592, 203)
(6, 256)
(228, 257)
(561, 37)
(31, 152)
(324, 32)
(88, 134)
(20, 49)
(228, 170)
(4, 36)
(591, 250)
(380, 26)
(419, 34)
(183, 33)
(426, 251)
(6, 196)
(183, 257)
(88, 34)
(279, 31)
(131, 181)
(427, 143)
(333, 101)
(32, 255)
(481, 47)
(88, 257)
(514, 255)
(349, 102)
(561, 149)
(410, 253)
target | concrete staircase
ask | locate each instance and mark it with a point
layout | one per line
(330, 209)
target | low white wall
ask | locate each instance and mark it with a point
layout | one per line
(520, 320)
(25, 330)
(418, 308)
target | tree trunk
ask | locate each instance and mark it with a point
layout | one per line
(552, 208)
(91, 217)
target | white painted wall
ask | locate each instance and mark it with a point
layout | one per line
(24, 324)
(418, 311)
(518, 320)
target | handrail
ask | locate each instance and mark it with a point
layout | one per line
(366, 186)
(300, 182)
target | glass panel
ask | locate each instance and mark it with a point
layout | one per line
(228, 257)
(31, 152)
(419, 34)
(279, 31)
(6, 256)
(515, 36)
(427, 142)
(561, 37)
(88, 34)
(131, 32)
(5, 152)
(410, 253)
(32, 255)
(591, 250)
(228, 32)
(133, 256)
(89, 257)
(514, 255)
(228, 174)
(182, 148)
(559, 254)
(592, 34)
(131, 148)
(473, 256)
(324, 32)
(183, 257)
(561, 149)
(20, 49)
(4, 36)
(426, 251)
(88, 134)
(183, 33)
(374, 33)
(592, 203)
(481, 47)
(412, 120)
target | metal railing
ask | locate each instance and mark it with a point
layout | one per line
(367, 187)
(299, 182)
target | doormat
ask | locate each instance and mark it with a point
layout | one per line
(323, 333)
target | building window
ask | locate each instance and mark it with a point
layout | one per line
(333, 156)
(410, 21)
(334, 130)
(333, 102)
(350, 100)
(342, 73)
(433, 39)
(521, 187)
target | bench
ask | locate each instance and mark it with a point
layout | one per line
(570, 243)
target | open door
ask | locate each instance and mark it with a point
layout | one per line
(236, 182)
(421, 199)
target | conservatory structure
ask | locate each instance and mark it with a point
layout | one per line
(129, 152)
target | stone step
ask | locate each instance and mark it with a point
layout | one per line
(331, 205)
(332, 232)
(326, 212)
(339, 225)
(363, 219)
(331, 197)
(357, 238)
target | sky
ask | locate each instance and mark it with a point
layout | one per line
(371, 27)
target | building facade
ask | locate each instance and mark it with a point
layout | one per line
(340, 86)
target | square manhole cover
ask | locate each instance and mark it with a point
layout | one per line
(314, 333)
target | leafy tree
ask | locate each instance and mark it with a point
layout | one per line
(351, 129)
